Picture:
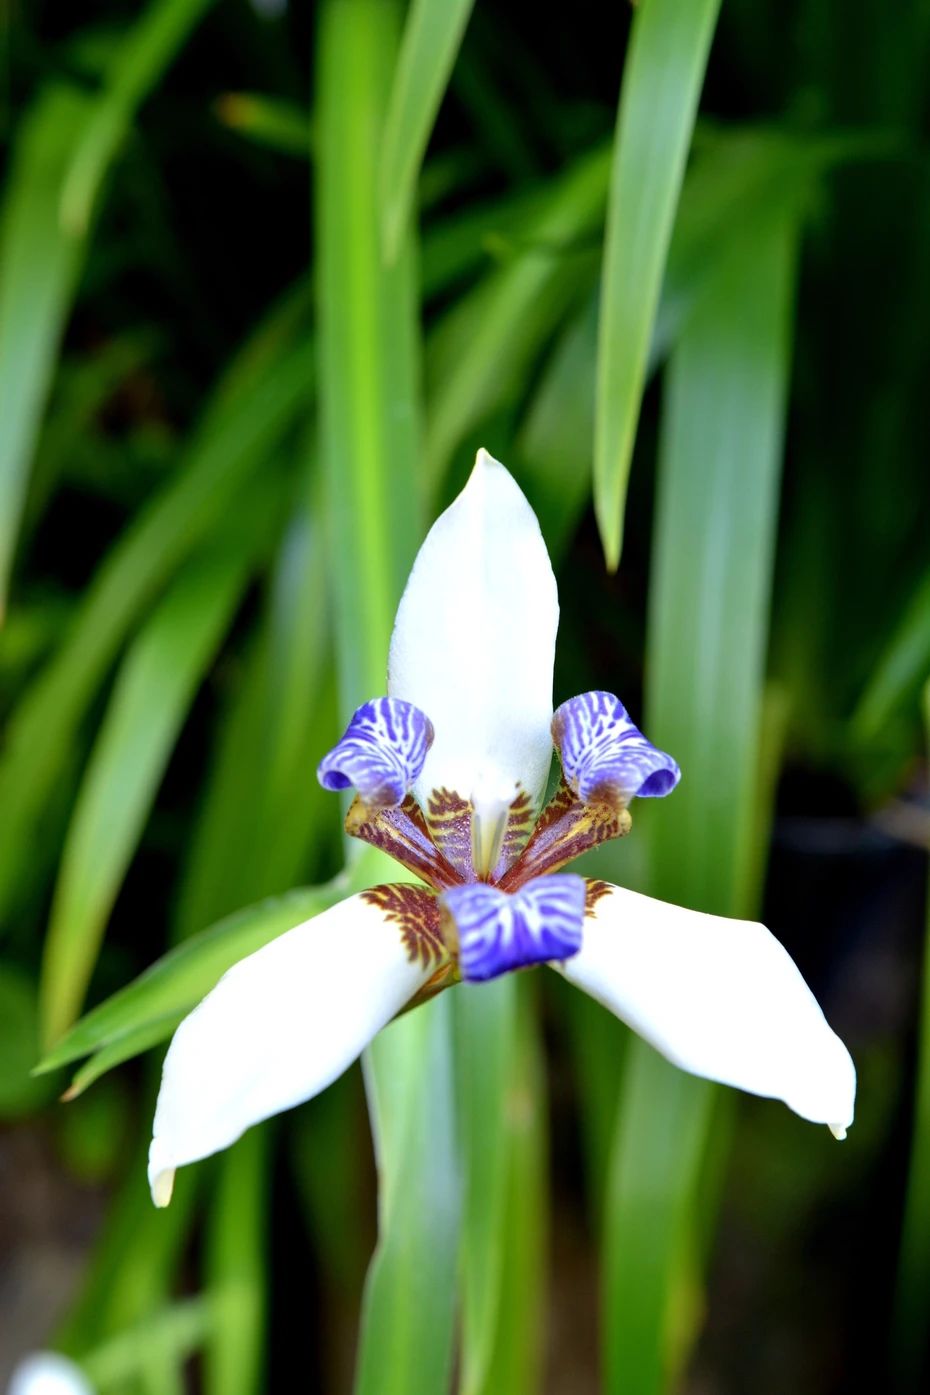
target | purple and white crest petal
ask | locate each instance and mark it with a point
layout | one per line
(605, 758)
(474, 646)
(497, 932)
(381, 754)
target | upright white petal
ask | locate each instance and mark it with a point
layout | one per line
(279, 1027)
(47, 1373)
(720, 998)
(474, 644)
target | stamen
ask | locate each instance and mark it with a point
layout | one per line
(494, 932)
(381, 754)
(605, 758)
(488, 826)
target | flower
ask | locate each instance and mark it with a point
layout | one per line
(450, 772)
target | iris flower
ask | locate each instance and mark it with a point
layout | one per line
(450, 772)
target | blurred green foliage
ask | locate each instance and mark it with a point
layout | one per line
(268, 275)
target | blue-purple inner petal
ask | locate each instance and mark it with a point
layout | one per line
(604, 756)
(381, 753)
(498, 932)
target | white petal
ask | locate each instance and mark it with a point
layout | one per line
(279, 1027)
(47, 1373)
(720, 998)
(474, 644)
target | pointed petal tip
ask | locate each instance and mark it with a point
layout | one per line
(490, 473)
(838, 1132)
(163, 1187)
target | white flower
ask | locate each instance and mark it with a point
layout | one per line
(450, 771)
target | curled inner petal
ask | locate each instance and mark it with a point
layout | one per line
(381, 753)
(605, 758)
(496, 932)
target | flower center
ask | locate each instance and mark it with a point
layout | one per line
(496, 868)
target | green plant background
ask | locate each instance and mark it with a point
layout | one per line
(269, 274)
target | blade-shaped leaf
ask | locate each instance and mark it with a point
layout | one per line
(481, 351)
(503, 1222)
(63, 153)
(260, 809)
(259, 399)
(175, 983)
(715, 527)
(368, 342)
(154, 688)
(234, 1271)
(431, 39)
(485, 1039)
(135, 67)
(39, 262)
(901, 668)
(662, 79)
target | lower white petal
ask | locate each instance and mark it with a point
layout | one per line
(720, 998)
(285, 1022)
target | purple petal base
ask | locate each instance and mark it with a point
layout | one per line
(497, 932)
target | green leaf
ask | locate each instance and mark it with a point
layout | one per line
(651, 1191)
(503, 1222)
(485, 1038)
(39, 263)
(133, 1042)
(129, 1280)
(408, 1308)
(154, 689)
(901, 667)
(259, 399)
(481, 352)
(176, 983)
(134, 69)
(432, 35)
(723, 421)
(662, 79)
(554, 444)
(234, 1268)
(175, 1333)
(368, 344)
(63, 152)
(369, 446)
(20, 1093)
(260, 813)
